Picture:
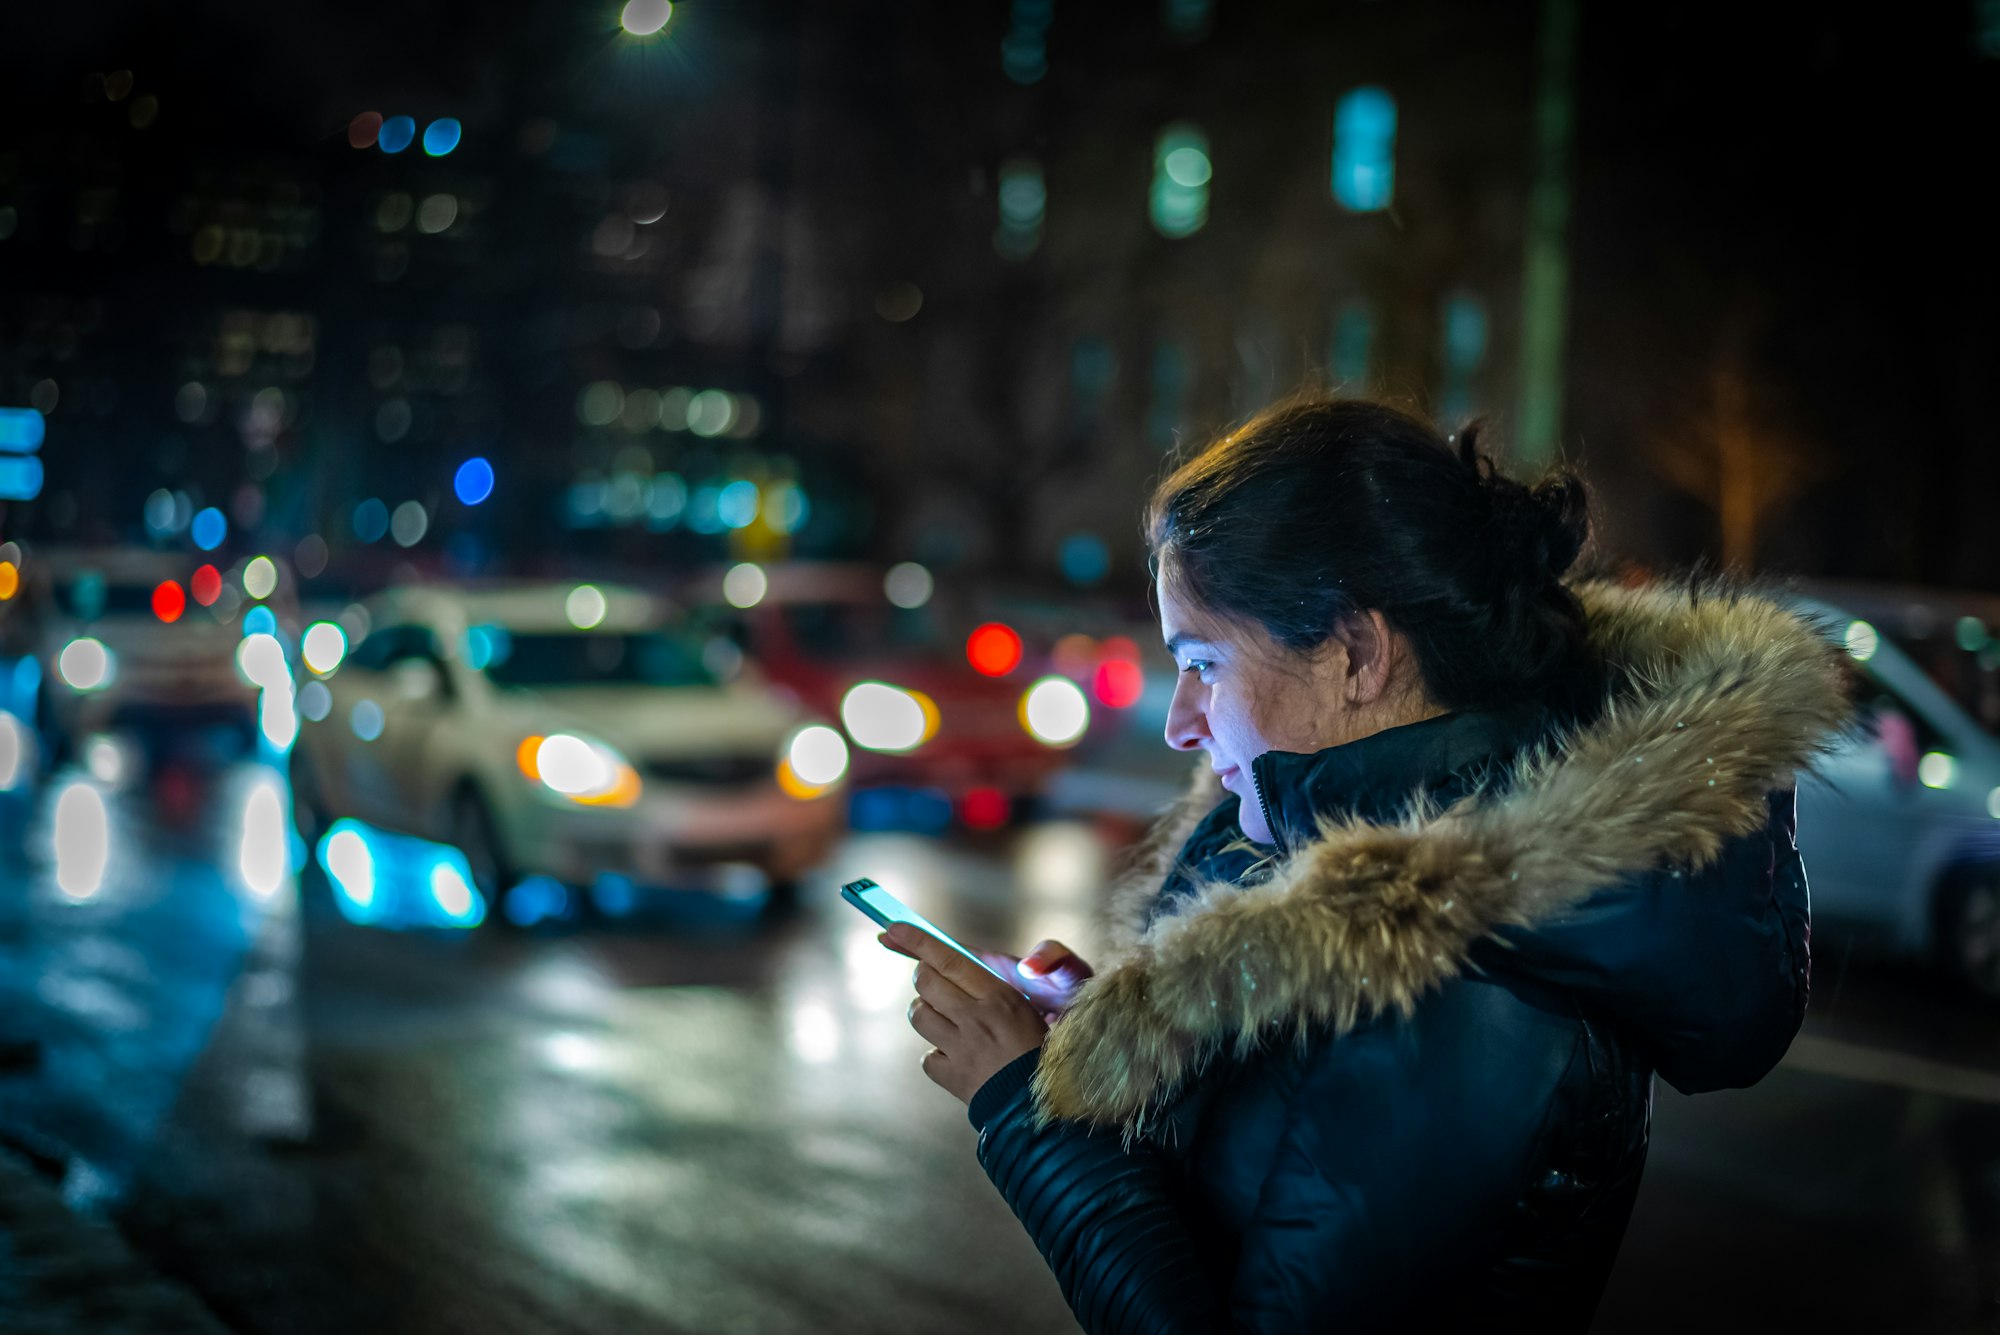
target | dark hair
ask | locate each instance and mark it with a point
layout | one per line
(1321, 508)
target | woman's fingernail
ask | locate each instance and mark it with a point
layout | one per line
(1029, 969)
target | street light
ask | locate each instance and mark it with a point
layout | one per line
(643, 18)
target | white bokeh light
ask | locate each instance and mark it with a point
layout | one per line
(1055, 711)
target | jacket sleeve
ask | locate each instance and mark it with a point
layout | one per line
(1100, 1215)
(1392, 1167)
(1711, 969)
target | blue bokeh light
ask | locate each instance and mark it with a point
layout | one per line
(209, 529)
(397, 132)
(259, 620)
(371, 520)
(1364, 150)
(474, 480)
(390, 880)
(1085, 558)
(441, 136)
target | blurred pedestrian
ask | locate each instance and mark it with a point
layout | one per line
(1473, 851)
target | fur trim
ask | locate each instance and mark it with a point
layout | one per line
(1727, 696)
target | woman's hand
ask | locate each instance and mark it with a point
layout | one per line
(1050, 974)
(974, 1022)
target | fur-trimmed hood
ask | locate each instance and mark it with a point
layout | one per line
(1724, 697)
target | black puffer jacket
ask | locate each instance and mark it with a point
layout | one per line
(1401, 1070)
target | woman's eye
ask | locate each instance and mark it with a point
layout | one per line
(1199, 667)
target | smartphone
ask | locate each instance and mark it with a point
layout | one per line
(887, 910)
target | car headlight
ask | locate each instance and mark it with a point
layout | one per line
(1054, 711)
(581, 769)
(814, 760)
(86, 665)
(882, 717)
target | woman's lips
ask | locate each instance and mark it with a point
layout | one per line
(1223, 774)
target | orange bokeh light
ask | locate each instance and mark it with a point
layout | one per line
(994, 649)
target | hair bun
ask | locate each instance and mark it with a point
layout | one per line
(1547, 525)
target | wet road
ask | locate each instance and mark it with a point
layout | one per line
(714, 1121)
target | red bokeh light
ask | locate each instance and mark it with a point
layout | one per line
(1119, 683)
(364, 129)
(1122, 647)
(984, 809)
(169, 601)
(994, 649)
(207, 585)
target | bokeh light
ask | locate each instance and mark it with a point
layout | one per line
(323, 647)
(315, 701)
(585, 607)
(371, 520)
(473, 482)
(1119, 683)
(993, 649)
(206, 585)
(261, 660)
(643, 18)
(745, 585)
(209, 529)
(169, 601)
(817, 755)
(1054, 711)
(409, 524)
(364, 129)
(908, 585)
(396, 134)
(441, 136)
(365, 719)
(86, 665)
(882, 717)
(260, 577)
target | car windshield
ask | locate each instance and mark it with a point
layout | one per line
(89, 597)
(646, 658)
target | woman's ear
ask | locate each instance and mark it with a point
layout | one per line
(1365, 675)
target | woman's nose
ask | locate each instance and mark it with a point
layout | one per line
(1187, 722)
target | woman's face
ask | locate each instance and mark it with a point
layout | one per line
(1240, 693)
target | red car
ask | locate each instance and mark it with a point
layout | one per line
(944, 709)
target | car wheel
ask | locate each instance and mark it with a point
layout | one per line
(1968, 936)
(475, 835)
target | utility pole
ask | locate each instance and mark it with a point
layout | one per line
(1545, 273)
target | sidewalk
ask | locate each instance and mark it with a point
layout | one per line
(64, 1274)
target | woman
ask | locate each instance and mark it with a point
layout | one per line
(1487, 851)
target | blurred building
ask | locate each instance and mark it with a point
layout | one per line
(943, 282)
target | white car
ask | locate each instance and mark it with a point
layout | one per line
(116, 656)
(558, 732)
(1901, 825)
